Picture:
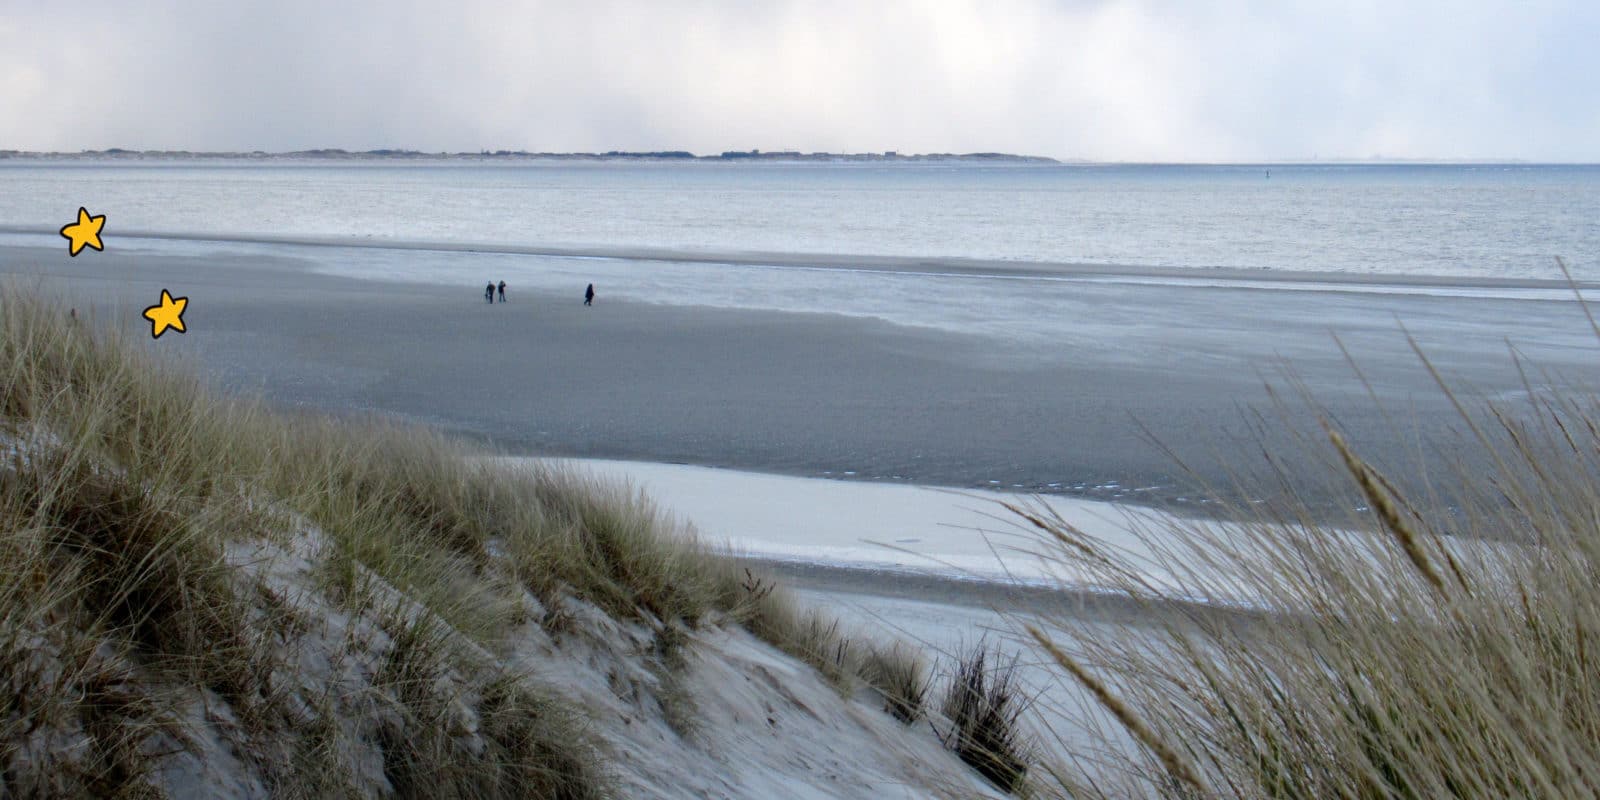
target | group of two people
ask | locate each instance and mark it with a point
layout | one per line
(488, 293)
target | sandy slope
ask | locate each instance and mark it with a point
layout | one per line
(762, 724)
(732, 718)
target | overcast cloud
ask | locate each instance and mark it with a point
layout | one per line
(1101, 79)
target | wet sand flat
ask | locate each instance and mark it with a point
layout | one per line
(822, 394)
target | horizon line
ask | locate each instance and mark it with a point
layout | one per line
(756, 154)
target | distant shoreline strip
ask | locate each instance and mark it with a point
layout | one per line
(910, 265)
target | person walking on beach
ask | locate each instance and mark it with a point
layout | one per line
(588, 295)
(488, 292)
(502, 291)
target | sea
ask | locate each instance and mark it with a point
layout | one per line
(1475, 221)
(916, 244)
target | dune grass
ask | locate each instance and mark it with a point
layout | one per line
(127, 493)
(896, 672)
(984, 706)
(900, 674)
(130, 498)
(1428, 646)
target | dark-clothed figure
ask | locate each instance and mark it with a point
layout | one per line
(588, 295)
(502, 291)
(488, 293)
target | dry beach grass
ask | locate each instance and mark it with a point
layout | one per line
(142, 520)
(1428, 646)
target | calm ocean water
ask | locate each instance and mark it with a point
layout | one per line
(1477, 221)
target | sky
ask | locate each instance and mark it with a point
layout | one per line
(1111, 80)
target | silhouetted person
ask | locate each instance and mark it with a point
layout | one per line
(502, 291)
(488, 293)
(588, 295)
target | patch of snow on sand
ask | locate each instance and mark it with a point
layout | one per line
(855, 523)
(960, 534)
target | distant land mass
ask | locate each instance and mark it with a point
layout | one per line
(334, 154)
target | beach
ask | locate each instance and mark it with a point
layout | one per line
(860, 459)
(1152, 391)
(851, 426)
(770, 400)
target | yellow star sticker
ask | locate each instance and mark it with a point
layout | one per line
(86, 231)
(169, 314)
